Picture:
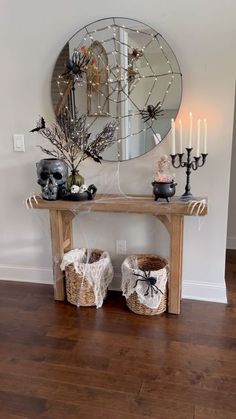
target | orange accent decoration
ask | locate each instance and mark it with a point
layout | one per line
(92, 61)
(84, 50)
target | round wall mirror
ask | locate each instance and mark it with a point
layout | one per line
(122, 69)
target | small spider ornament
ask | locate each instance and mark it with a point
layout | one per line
(152, 112)
(136, 53)
(150, 280)
(77, 64)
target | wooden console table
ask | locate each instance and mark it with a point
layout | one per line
(170, 214)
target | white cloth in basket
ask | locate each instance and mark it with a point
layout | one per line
(99, 274)
(129, 268)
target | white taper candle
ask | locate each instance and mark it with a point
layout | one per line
(190, 130)
(180, 137)
(173, 135)
(198, 137)
(205, 137)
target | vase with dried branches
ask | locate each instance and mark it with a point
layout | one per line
(72, 142)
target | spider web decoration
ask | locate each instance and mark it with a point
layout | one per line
(142, 75)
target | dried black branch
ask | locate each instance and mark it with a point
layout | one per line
(52, 153)
(71, 140)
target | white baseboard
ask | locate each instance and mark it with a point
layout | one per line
(231, 242)
(116, 282)
(191, 290)
(204, 291)
(26, 274)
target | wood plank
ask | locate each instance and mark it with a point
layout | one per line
(83, 410)
(70, 373)
(60, 361)
(67, 218)
(66, 244)
(13, 404)
(99, 398)
(57, 240)
(206, 413)
(139, 204)
(62, 241)
(176, 251)
(187, 394)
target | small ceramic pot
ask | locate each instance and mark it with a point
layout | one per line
(163, 190)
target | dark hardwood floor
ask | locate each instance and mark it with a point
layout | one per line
(57, 361)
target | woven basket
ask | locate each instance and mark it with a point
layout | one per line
(78, 289)
(148, 263)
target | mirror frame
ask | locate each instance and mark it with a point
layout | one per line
(153, 31)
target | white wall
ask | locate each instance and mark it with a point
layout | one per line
(203, 38)
(231, 232)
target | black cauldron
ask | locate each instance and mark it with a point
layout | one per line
(163, 189)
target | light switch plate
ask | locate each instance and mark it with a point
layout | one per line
(19, 142)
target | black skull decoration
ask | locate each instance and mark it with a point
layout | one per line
(52, 175)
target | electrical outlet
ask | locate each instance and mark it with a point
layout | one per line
(121, 247)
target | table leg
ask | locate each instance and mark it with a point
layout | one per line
(176, 251)
(61, 237)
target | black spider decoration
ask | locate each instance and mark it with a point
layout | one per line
(77, 64)
(136, 53)
(150, 280)
(152, 112)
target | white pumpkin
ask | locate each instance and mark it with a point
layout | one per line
(75, 189)
(83, 188)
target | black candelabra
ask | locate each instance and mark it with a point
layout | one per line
(198, 161)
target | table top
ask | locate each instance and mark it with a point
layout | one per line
(139, 204)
